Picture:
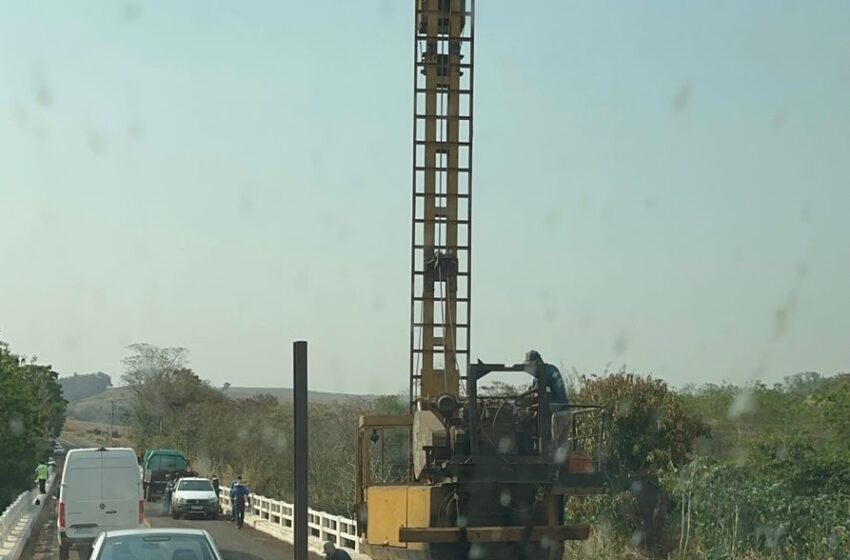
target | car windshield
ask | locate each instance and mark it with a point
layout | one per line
(195, 485)
(564, 279)
(156, 547)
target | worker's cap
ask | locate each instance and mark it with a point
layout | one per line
(532, 356)
(239, 477)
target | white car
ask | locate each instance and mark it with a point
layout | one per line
(155, 544)
(194, 496)
(101, 491)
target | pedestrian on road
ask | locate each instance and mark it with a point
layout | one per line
(166, 498)
(334, 553)
(215, 489)
(240, 494)
(41, 473)
(232, 497)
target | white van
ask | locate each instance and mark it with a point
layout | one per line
(101, 491)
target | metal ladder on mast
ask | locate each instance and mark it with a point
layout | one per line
(441, 251)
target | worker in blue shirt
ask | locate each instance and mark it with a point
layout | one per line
(232, 496)
(559, 405)
(551, 375)
(239, 496)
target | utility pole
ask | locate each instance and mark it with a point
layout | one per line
(111, 423)
(299, 397)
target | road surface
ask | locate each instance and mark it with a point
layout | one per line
(235, 544)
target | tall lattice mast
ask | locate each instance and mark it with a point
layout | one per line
(442, 197)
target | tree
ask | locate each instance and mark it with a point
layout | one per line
(649, 432)
(152, 373)
(833, 402)
(78, 387)
(650, 429)
(31, 412)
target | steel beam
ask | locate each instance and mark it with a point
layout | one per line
(299, 397)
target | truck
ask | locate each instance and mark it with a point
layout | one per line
(156, 464)
(465, 473)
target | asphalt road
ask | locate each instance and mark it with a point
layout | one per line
(235, 544)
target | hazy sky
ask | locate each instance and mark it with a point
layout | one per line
(663, 184)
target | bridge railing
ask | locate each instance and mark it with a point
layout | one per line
(17, 521)
(322, 526)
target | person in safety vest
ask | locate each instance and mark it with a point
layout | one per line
(41, 474)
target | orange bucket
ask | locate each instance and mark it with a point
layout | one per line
(579, 463)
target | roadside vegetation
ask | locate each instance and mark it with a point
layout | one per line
(31, 414)
(713, 471)
(721, 471)
(173, 407)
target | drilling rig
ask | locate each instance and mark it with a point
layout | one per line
(467, 473)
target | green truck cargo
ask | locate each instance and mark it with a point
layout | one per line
(156, 464)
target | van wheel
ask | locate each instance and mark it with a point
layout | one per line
(214, 516)
(63, 551)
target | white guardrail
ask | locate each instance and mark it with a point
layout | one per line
(276, 517)
(17, 522)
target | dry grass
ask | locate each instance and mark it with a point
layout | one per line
(94, 433)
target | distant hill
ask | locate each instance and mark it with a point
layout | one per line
(77, 387)
(98, 408)
(285, 395)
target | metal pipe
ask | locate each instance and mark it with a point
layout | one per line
(299, 397)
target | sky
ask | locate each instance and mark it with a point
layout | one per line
(663, 186)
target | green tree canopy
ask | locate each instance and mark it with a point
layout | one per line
(31, 412)
(78, 387)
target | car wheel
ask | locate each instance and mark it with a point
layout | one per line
(214, 516)
(63, 551)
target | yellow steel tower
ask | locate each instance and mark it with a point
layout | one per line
(442, 190)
